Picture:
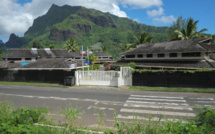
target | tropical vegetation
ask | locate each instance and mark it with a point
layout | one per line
(71, 46)
(183, 29)
(144, 39)
(92, 58)
(26, 120)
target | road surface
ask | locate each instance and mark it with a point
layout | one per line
(108, 102)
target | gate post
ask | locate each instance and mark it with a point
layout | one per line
(76, 78)
(119, 78)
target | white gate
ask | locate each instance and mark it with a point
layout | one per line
(104, 78)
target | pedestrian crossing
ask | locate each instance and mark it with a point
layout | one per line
(171, 108)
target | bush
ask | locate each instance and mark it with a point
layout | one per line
(132, 65)
(96, 66)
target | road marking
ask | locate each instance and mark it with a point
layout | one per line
(157, 112)
(159, 103)
(167, 97)
(201, 98)
(28, 96)
(90, 107)
(205, 101)
(151, 119)
(132, 98)
(157, 107)
(44, 97)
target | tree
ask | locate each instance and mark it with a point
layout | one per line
(144, 39)
(71, 46)
(1, 53)
(177, 25)
(185, 29)
(51, 46)
(104, 49)
(92, 58)
(213, 39)
(36, 44)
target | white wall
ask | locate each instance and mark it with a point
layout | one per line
(179, 57)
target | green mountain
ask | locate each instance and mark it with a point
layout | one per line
(88, 27)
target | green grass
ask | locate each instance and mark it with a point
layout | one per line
(28, 83)
(173, 89)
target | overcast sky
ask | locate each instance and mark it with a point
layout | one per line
(16, 16)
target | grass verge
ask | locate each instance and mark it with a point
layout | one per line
(173, 89)
(29, 84)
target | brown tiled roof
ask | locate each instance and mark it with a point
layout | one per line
(191, 45)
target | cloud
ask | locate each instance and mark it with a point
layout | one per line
(154, 13)
(165, 19)
(141, 3)
(17, 18)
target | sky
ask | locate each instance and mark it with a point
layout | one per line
(16, 16)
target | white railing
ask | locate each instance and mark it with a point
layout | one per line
(98, 75)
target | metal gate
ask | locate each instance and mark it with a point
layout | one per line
(104, 78)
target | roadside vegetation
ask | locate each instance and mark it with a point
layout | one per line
(172, 89)
(26, 120)
(29, 83)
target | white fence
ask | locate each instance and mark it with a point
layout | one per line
(104, 78)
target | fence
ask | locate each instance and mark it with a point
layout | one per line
(46, 76)
(104, 78)
(175, 79)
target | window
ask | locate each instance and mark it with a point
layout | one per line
(14, 59)
(173, 55)
(196, 54)
(140, 55)
(160, 55)
(27, 58)
(130, 56)
(149, 55)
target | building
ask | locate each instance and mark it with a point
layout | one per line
(181, 54)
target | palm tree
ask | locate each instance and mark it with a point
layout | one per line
(93, 58)
(71, 46)
(177, 25)
(144, 39)
(189, 30)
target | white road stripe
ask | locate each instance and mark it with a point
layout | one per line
(28, 96)
(159, 103)
(167, 97)
(157, 107)
(201, 98)
(157, 112)
(41, 97)
(151, 119)
(205, 101)
(148, 99)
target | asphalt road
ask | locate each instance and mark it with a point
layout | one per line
(96, 102)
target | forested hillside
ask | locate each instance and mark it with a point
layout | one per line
(88, 27)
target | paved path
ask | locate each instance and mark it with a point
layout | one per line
(106, 102)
